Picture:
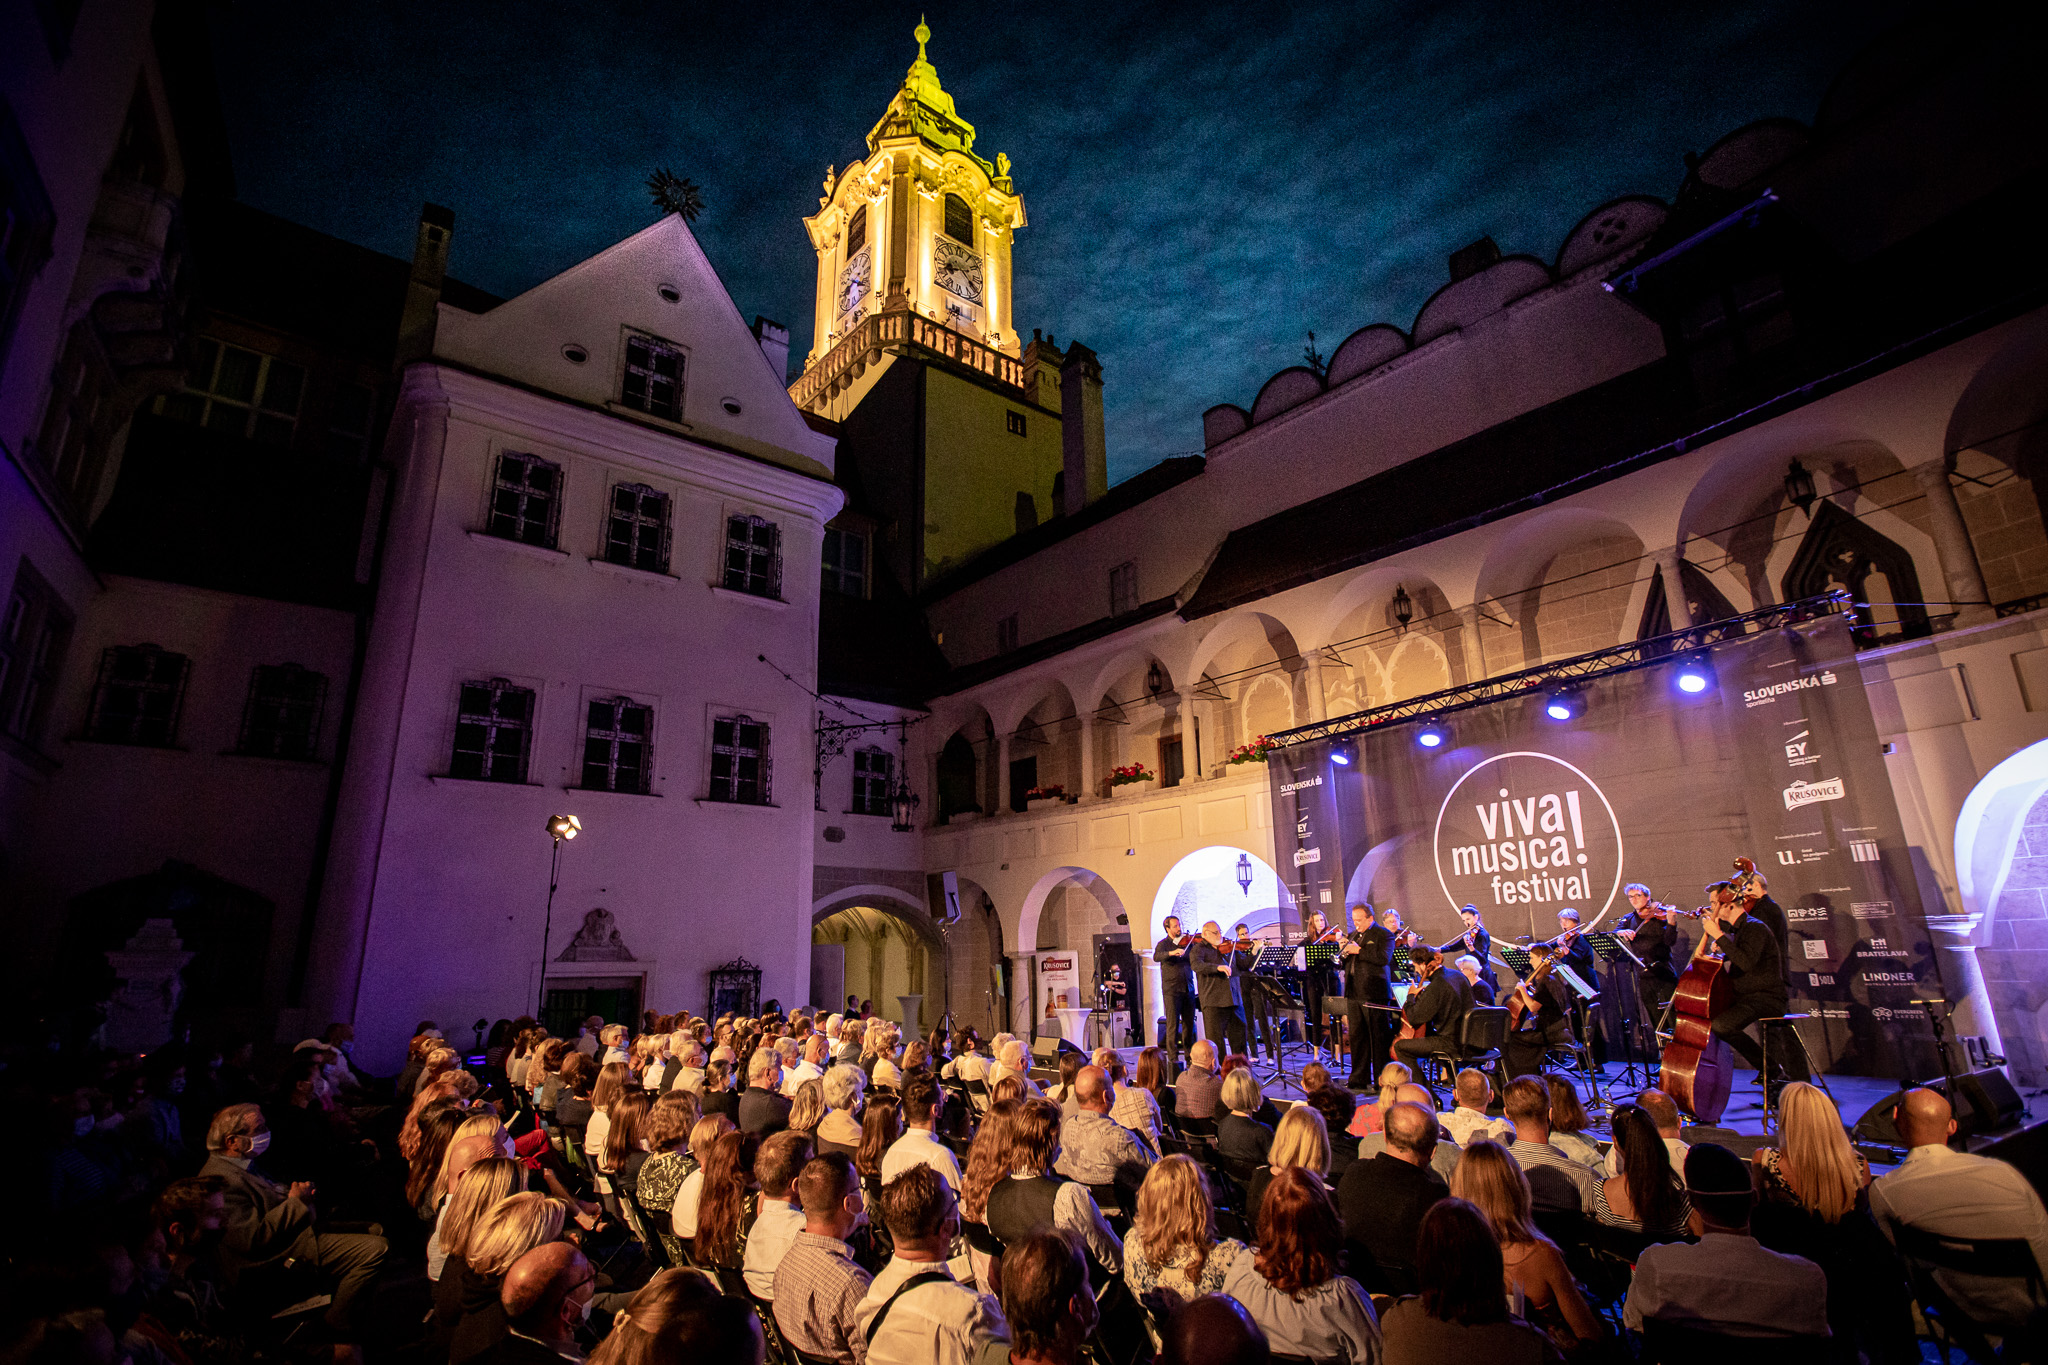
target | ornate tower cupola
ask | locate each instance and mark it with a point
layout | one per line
(917, 233)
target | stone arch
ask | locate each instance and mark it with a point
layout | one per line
(961, 764)
(1203, 885)
(870, 913)
(1025, 935)
(1999, 878)
(1242, 627)
(1532, 617)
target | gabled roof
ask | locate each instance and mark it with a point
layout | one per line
(923, 109)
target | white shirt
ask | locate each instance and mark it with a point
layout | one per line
(773, 1234)
(972, 1067)
(684, 1212)
(651, 1078)
(797, 1075)
(1678, 1147)
(1465, 1124)
(596, 1131)
(1729, 1283)
(1955, 1194)
(917, 1147)
(615, 1054)
(934, 1324)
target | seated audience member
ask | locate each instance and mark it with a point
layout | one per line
(679, 1315)
(1558, 1184)
(1568, 1123)
(1094, 1148)
(968, 1064)
(1141, 1105)
(1383, 1201)
(880, 1129)
(1239, 1136)
(1443, 1159)
(1034, 1196)
(546, 1294)
(689, 1194)
(482, 1187)
(1338, 1106)
(1294, 1288)
(669, 1162)
(265, 1225)
(807, 1109)
(1172, 1253)
(1014, 1060)
(514, 1226)
(426, 1181)
(1300, 1140)
(1010, 1087)
(1047, 1301)
(915, 1312)
(1212, 1330)
(1648, 1196)
(817, 1284)
(613, 1080)
(919, 1145)
(1955, 1194)
(987, 1166)
(1459, 1312)
(1727, 1283)
(1536, 1273)
(839, 1129)
(1468, 1118)
(1663, 1111)
(1267, 1113)
(1367, 1119)
(181, 1296)
(573, 1109)
(1063, 1093)
(625, 1140)
(761, 1109)
(1198, 1088)
(726, 1199)
(778, 1217)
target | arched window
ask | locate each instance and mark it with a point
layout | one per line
(1841, 551)
(857, 231)
(959, 220)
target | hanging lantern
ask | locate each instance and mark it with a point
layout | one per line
(1404, 608)
(1799, 487)
(1244, 873)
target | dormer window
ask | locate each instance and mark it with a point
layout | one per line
(959, 220)
(857, 230)
(653, 382)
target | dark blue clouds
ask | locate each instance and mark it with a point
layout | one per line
(1206, 183)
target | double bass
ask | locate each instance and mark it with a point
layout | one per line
(1698, 1068)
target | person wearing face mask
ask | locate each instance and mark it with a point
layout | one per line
(547, 1296)
(89, 1166)
(266, 1224)
(817, 1284)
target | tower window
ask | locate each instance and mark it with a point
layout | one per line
(753, 556)
(281, 719)
(959, 220)
(33, 634)
(525, 498)
(1123, 588)
(1006, 634)
(615, 749)
(739, 760)
(653, 382)
(636, 534)
(493, 730)
(1015, 421)
(137, 696)
(857, 230)
(846, 562)
(872, 769)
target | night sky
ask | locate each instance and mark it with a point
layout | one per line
(1205, 184)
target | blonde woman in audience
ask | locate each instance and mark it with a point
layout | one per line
(613, 1039)
(1300, 1140)
(440, 1060)
(482, 1188)
(917, 1053)
(1536, 1275)
(839, 1130)
(613, 1079)
(514, 1226)
(1368, 1119)
(1008, 1088)
(1569, 1121)
(1172, 1253)
(1813, 1166)
(1239, 1136)
(807, 1106)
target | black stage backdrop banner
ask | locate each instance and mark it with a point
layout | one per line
(1522, 816)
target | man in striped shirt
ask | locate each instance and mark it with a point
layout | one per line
(1557, 1184)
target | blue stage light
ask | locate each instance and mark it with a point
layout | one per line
(1344, 752)
(1695, 675)
(1565, 703)
(1431, 736)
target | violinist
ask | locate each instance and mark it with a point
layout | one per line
(1754, 889)
(1482, 989)
(1754, 965)
(1403, 936)
(1258, 1007)
(1217, 968)
(1435, 1014)
(1476, 941)
(1368, 993)
(1541, 1007)
(1176, 992)
(1316, 982)
(1577, 954)
(1651, 934)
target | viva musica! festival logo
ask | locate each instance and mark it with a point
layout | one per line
(1525, 828)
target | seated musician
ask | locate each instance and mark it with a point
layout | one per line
(1543, 1017)
(1753, 961)
(1482, 989)
(1435, 1012)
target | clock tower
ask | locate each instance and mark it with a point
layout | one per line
(919, 232)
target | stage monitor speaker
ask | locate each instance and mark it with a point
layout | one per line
(1046, 1051)
(1987, 1104)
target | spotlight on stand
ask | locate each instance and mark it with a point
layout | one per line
(1695, 675)
(1432, 736)
(561, 829)
(1565, 703)
(1344, 752)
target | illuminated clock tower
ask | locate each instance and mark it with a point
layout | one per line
(920, 229)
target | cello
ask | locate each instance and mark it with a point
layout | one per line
(1698, 1068)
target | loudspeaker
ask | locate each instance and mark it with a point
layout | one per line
(1046, 1051)
(1985, 1102)
(946, 888)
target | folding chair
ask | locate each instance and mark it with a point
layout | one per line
(2004, 1258)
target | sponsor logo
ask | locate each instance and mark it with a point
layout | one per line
(1305, 856)
(1796, 746)
(1871, 909)
(1793, 857)
(1056, 964)
(1820, 978)
(1525, 828)
(1863, 850)
(1891, 978)
(1763, 696)
(1828, 1011)
(1878, 947)
(1806, 793)
(1883, 1015)
(1315, 781)
(1797, 914)
(1816, 948)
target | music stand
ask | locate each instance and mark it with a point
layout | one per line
(1611, 949)
(1279, 998)
(1397, 964)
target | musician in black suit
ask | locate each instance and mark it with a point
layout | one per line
(1217, 966)
(1765, 910)
(1545, 1025)
(1577, 954)
(1476, 941)
(1438, 1008)
(1753, 962)
(1655, 940)
(1258, 1006)
(1366, 952)
(1176, 994)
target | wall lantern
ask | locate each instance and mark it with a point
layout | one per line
(1404, 608)
(903, 805)
(1155, 681)
(1799, 487)
(1244, 873)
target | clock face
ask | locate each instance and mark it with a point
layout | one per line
(956, 269)
(853, 282)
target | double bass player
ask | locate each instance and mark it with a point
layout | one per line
(1754, 962)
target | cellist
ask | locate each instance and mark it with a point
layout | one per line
(1542, 1006)
(1176, 993)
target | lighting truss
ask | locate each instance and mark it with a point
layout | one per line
(1600, 663)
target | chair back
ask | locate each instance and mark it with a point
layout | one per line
(1986, 1258)
(1666, 1343)
(1486, 1028)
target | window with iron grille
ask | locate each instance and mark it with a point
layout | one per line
(240, 392)
(753, 556)
(281, 718)
(846, 562)
(739, 760)
(33, 633)
(653, 381)
(1123, 588)
(1015, 421)
(1006, 634)
(137, 696)
(872, 769)
(493, 731)
(525, 499)
(615, 746)
(637, 533)
(959, 220)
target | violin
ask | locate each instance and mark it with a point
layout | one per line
(1329, 935)
(1746, 892)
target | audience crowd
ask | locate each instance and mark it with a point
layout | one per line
(814, 1189)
